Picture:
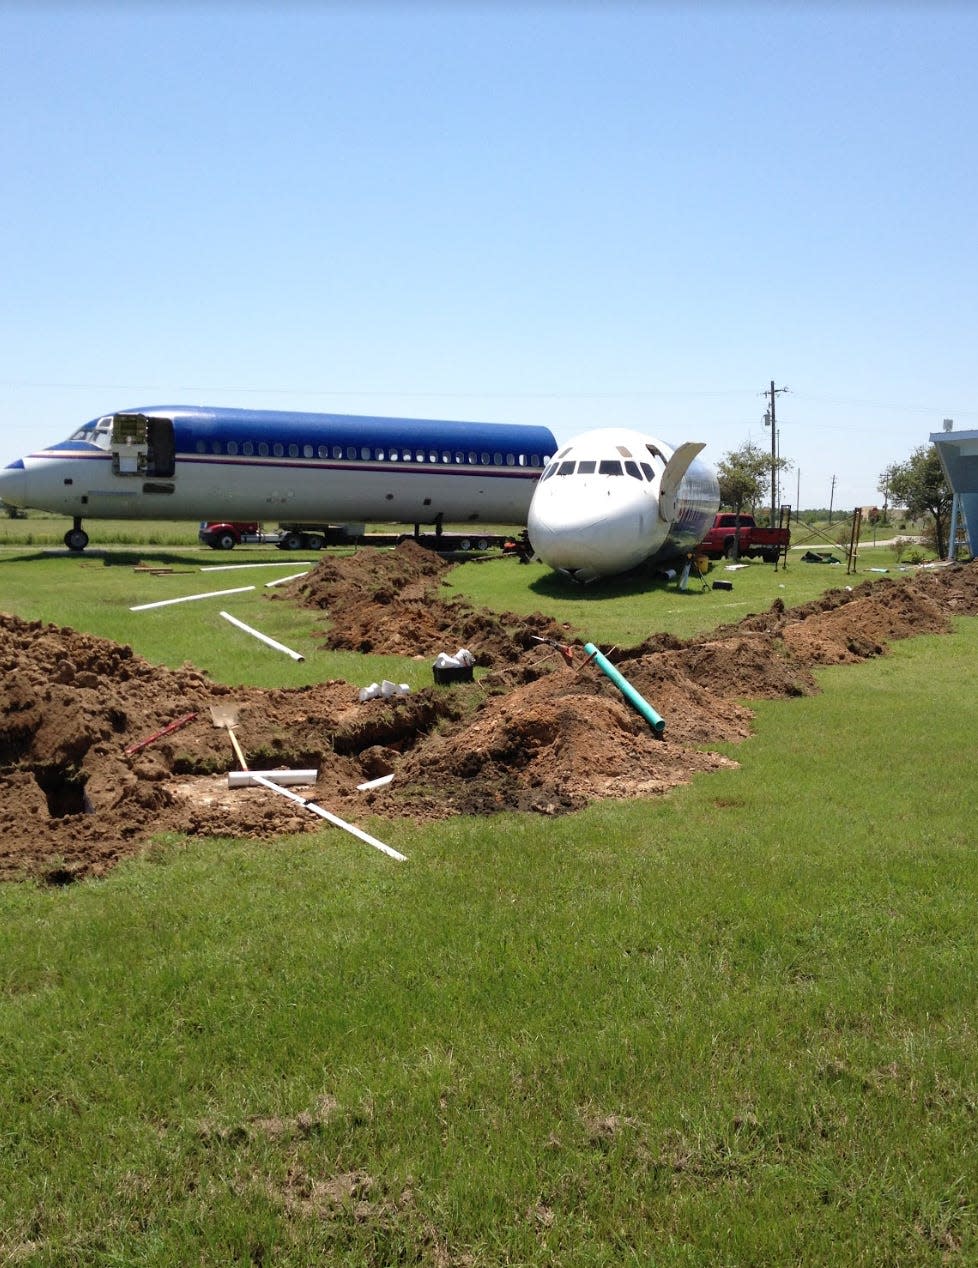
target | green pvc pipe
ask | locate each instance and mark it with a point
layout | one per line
(657, 723)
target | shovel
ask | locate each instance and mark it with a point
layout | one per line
(226, 717)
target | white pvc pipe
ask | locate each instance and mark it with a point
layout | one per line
(245, 778)
(280, 581)
(331, 818)
(187, 598)
(279, 647)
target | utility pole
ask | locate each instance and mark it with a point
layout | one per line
(771, 421)
(831, 499)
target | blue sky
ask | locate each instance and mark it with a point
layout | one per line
(561, 213)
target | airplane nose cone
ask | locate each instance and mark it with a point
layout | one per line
(13, 484)
(592, 529)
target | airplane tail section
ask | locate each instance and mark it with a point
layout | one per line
(672, 477)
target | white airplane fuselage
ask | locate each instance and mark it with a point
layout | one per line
(613, 499)
(189, 463)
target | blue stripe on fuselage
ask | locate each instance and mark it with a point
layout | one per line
(193, 423)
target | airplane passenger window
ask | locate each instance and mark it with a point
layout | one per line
(215, 446)
(472, 459)
(365, 453)
(459, 457)
(419, 455)
(446, 457)
(263, 450)
(248, 448)
(649, 473)
(351, 452)
(534, 460)
(566, 468)
(510, 460)
(521, 460)
(337, 451)
(631, 468)
(278, 451)
(586, 468)
(609, 468)
(497, 459)
(323, 451)
(293, 451)
(200, 447)
(232, 447)
(432, 455)
(484, 459)
(307, 451)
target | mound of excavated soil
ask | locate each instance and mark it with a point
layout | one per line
(534, 734)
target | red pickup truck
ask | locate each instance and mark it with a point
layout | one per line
(733, 535)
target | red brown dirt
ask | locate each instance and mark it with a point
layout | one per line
(533, 734)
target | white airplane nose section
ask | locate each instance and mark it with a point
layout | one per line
(594, 530)
(13, 484)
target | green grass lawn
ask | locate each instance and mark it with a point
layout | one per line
(731, 1026)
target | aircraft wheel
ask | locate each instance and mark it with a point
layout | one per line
(76, 539)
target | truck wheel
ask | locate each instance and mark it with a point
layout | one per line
(291, 541)
(224, 541)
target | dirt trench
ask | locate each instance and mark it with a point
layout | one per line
(533, 734)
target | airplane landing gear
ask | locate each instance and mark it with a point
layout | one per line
(76, 538)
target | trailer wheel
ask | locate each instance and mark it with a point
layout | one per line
(313, 542)
(465, 544)
(291, 541)
(482, 544)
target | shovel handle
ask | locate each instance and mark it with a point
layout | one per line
(237, 749)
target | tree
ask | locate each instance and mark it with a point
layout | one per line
(920, 486)
(741, 474)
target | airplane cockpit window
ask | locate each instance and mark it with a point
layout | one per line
(551, 470)
(566, 468)
(608, 467)
(656, 453)
(631, 468)
(587, 467)
(649, 473)
(625, 453)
